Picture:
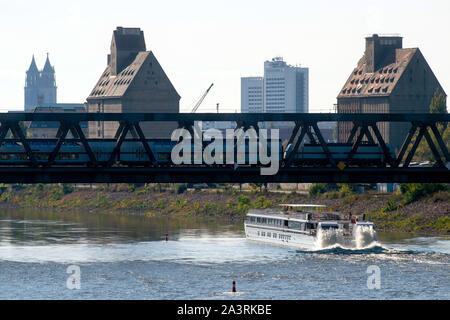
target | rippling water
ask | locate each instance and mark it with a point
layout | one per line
(124, 257)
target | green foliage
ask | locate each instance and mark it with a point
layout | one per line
(415, 191)
(161, 203)
(66, 189)
(423, 151)
(243, 200)
(317, 189)
(56, 194)
(5, 197)
(180, 203)
(256, 187)
(180, 188)
(346, 189)
(131, 187)
(438, 103)
(443, 224)
(102, 200)
(391, 205)
(262, 203)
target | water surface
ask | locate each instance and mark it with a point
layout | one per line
(127, 257)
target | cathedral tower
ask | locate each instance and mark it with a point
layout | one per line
(40, 86)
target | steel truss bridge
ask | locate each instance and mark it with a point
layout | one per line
(365, 128)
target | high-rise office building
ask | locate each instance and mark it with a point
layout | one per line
(283, 89)
(252, 94)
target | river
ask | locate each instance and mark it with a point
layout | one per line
(67, 255)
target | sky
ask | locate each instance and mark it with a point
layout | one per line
(202, 42)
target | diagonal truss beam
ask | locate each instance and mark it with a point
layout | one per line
(121, 134)
(323, 144)
(17, 132)
(144, 142)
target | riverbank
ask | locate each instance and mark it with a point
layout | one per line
(427, 214)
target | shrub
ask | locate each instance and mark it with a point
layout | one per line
(391, 205)
(161, 203)
(102, 200)
(346, 189)
(243, 200)
(56, 194)
(415, 191)
(180, 188)
(180, 203)
(66, 189)
(443, 224)
(262, 203)
(317, 189)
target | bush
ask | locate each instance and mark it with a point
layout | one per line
(161, 203)
(317, 189)
(262, 203)
(66, 189)
(243, 200)
(39, 187)
(391, 205)
(180, 203)
(415, 191)
(180, 188)
(443, 224)
(56, 194)
(346, 189)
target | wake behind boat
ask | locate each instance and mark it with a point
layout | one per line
(308, 226)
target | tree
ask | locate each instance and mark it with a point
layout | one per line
(423, 151)
(438, 103)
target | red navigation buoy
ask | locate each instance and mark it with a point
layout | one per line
(167, 237)
(234, 286)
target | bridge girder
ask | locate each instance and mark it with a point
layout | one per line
(392, 170)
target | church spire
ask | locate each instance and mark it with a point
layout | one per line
(33, 68)
(48, 67)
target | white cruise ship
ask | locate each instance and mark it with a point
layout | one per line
(308, 226)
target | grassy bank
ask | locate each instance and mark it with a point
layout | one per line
(418, 208)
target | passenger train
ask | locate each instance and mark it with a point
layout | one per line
(132, 152)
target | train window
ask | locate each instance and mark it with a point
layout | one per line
(163, 156)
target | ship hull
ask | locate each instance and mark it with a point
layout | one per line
(280, 236)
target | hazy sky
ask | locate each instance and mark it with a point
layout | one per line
(200, 42)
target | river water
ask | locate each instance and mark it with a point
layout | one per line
(126, 257)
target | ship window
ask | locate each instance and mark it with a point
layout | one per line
(294, 225)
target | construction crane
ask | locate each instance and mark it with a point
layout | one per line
(201, 99)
